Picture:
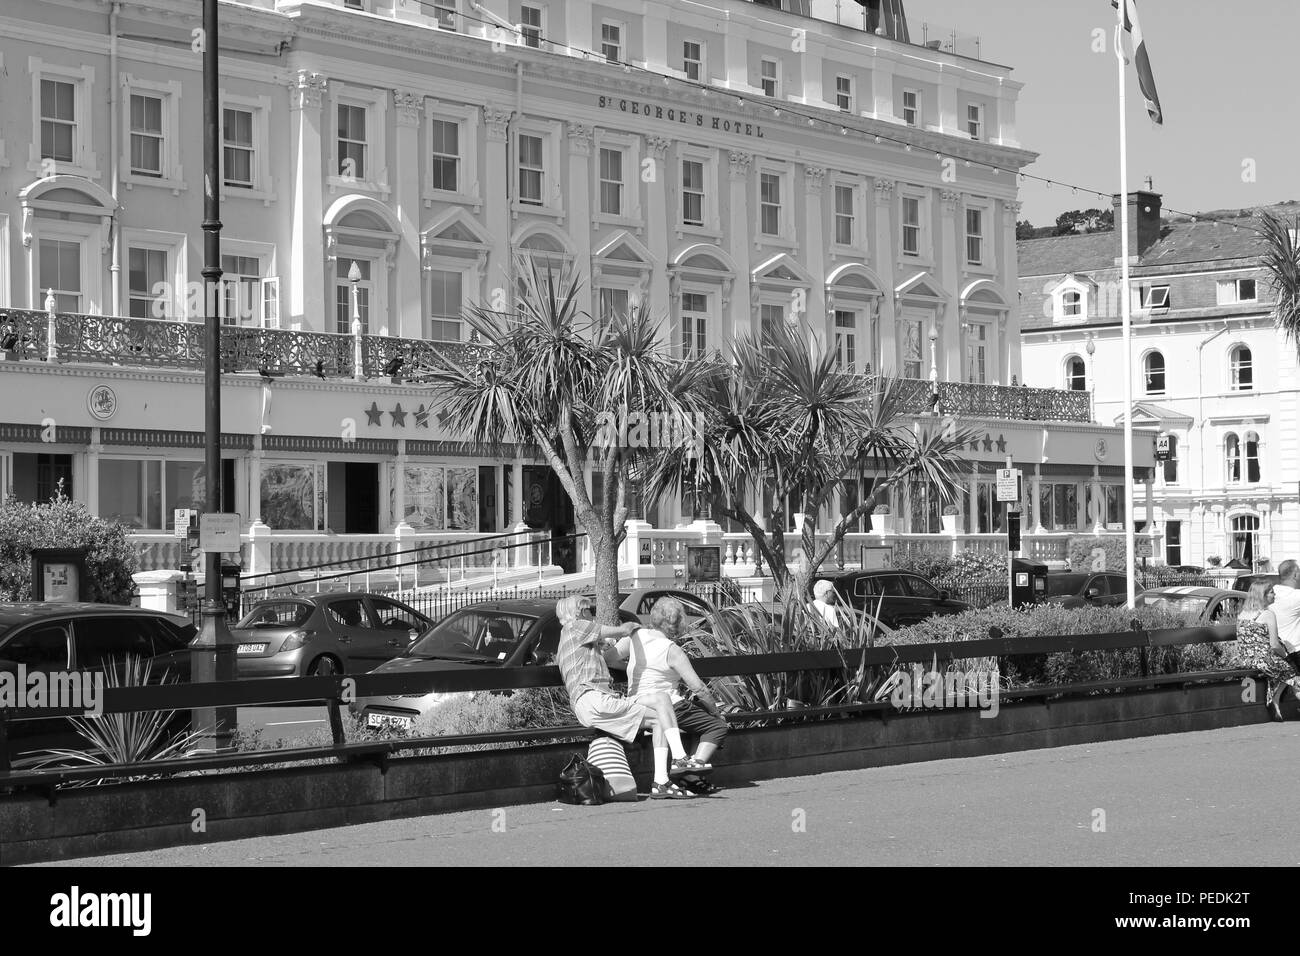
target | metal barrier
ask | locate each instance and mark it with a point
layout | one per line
(332, 692)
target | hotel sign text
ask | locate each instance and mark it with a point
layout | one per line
(682, 117)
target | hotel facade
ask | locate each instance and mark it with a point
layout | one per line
(736, 165)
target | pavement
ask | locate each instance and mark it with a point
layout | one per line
(1210, 798)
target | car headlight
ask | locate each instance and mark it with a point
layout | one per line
(295, 640)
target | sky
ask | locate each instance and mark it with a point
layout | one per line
(1226, 78)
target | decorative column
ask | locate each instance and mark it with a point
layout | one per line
(496, 205)
(93, 451)
(306, 272)
(883, 255)
(579, 203)
(407, 317)
(1009, 364)
(1091, 373)
(814, 246)
(739, 234)
(949, 264)
(1035, 501)
(399, 484)
(972, 500)
(657, 204)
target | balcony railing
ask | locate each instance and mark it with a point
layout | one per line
(161, 343)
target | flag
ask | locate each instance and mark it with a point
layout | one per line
(1146, 80)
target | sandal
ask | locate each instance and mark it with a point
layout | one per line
(699, 786)
(669, 791)
(688, 765)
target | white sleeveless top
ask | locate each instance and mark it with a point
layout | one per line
(648, 670)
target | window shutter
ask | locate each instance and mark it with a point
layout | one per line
(271, 302)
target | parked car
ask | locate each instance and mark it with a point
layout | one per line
(1244, 582)
(640, 600)
(903, 598)
(51, 637)
(339, 632)
(505, 633)
(1202, 605)
(1084, 589)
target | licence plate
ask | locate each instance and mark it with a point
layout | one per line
(390, 720)
(251, 648)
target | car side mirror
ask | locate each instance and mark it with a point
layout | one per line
(1093, 592)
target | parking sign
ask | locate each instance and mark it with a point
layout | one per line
(1008, 484)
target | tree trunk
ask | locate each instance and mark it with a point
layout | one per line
(605, 550)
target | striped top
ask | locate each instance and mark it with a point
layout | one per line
(580, 661)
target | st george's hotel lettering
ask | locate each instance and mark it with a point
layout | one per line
(684, 117)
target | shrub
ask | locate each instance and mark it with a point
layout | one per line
(1081, 553)
(880, 510)
(951, 510)
(63, 523)
(949, 571)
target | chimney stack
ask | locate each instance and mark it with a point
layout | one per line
(1143, 223)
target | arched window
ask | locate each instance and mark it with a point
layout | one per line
(1171, 463)
(1076, 374)
(1252, 457)
(1071, 304)
(1232, 457)
(1243, 371)
(1154, 367)
(1245, 539)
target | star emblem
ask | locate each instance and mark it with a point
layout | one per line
(374, 414)
(988, 442)
(399, 416)
(1002, 444)
(422, 417)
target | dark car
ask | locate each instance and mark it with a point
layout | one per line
(506, 633)
(1244, 582)
(1086, 589)
(52, 637)
(341, 632)
(903, 598)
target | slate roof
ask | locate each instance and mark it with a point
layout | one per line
(1209, 238)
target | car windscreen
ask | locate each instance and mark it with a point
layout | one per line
(1177, 603)
(471, 634)
(277, 614)
(1065, 583)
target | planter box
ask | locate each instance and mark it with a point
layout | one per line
(154, 814)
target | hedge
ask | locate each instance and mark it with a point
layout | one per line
(63, 523)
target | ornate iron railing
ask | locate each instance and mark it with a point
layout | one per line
(162, 343)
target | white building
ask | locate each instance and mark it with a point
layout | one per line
(735, 164)
(1211, 372)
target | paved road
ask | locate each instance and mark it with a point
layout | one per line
(288, 722)
(1232, 790)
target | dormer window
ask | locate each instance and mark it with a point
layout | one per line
(1155, 298)
(1072, 304)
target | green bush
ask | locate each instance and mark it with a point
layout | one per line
(63, 523)
(1080, 665)
(950, 571)
(1081, 548)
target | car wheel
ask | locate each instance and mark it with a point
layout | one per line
(324, 666)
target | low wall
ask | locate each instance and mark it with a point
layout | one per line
(149, 815)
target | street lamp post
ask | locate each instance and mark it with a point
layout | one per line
(213, 652)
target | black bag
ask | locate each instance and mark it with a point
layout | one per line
(580, 783)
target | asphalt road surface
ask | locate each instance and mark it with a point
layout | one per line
(1182, 799)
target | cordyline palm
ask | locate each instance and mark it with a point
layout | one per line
(783, 416)
(546, 376)
(1281, 257)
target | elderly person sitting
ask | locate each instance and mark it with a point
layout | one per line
(657, 667)
(586, 676)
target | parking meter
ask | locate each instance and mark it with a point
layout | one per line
(1028, 582)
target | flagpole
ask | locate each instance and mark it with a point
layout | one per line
(1130, 545)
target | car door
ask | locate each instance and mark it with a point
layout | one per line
(42, 647)
(1117, 585)
(897, 606)
(122, 644)
(1095, 591)
(355, 639)
(395, 623)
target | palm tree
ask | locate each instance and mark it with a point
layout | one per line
(1281, 258)
(546, 376)
(785, 418)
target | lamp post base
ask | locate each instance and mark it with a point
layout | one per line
(213, 660)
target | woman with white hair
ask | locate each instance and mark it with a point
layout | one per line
(586, 676)
(657, 667)
(824, 602)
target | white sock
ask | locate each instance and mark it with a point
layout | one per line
(661, 765)
(674, 738)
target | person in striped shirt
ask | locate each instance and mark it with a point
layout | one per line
(581, 659)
